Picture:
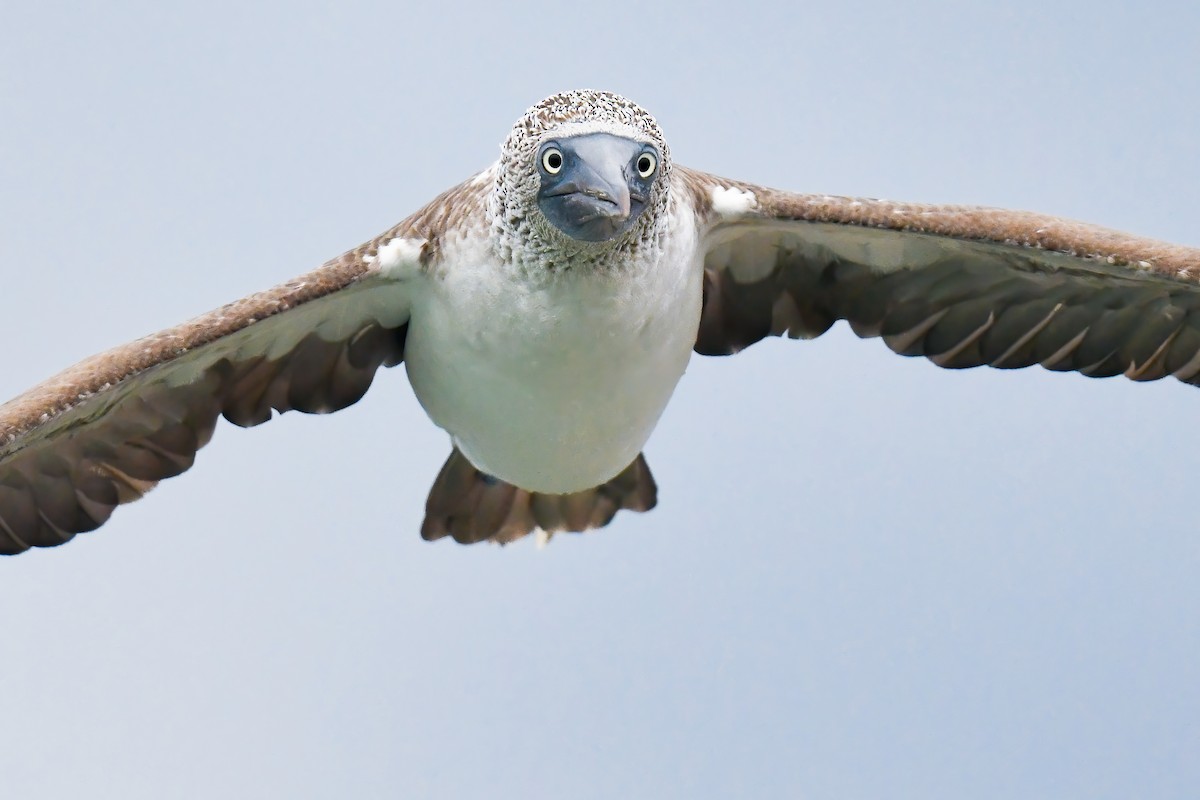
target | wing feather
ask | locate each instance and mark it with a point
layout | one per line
(107, 430)
(66, 474)
(959, 285)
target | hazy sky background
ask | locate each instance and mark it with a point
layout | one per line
(866, 577)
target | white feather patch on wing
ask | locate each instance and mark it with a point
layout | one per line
(732, 202)
(398, 258)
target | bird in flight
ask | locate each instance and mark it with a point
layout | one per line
(546, 308)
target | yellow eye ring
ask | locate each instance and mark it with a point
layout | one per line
(552, 160)
(646, 164)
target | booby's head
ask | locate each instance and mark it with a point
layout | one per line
(582, 168)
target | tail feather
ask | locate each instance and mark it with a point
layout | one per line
(470, 507)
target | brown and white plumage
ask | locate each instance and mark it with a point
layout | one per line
(962, 286)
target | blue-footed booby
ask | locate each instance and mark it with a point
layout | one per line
(546, 308)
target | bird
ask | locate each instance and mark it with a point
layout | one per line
(546, 308)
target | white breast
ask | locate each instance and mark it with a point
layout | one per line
(553, 386)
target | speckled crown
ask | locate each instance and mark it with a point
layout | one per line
(582, 106)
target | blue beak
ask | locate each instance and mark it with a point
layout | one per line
(596, 192)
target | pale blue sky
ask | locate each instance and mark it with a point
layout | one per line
(867, 577)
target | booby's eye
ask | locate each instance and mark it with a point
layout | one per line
(552, 160)
(646, 164)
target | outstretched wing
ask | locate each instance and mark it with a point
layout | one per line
(105, 431)
(962, 286)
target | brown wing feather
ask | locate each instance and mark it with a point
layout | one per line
(67, 475)
(105, 431)
(961, 286)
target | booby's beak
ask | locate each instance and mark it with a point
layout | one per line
(609, 198)
(592, 189)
